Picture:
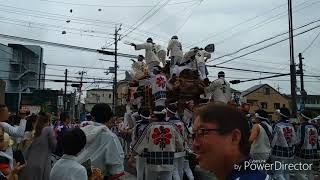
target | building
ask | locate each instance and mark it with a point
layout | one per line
(95, 96)
(264, 97)
(312, 102)
(23, 70)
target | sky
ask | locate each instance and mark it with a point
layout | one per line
(230, 25)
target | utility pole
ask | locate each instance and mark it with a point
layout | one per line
(65, 90)
(80, 91)
(116, 39)
(293, 79)
(303, 92)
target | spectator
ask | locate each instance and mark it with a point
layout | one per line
(29, 131)
(221, 140)
(14, 132)
(67, 167)
(38, 153)
(103, 147)
(60, 130)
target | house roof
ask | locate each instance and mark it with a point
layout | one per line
(100, 90)
(252, 89)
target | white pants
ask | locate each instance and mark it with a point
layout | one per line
(187, 169)
(158, 175)
(140, 167)
(178, 168)
(202, 70)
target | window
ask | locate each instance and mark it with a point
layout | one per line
(283, 105)
(251, 101)
(109, 96)
(267, 91)
(276, 105)
(264, 105)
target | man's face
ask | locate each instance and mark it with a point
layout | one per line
(4, 114)
(212, 148)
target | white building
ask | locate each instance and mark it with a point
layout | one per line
(95, 96)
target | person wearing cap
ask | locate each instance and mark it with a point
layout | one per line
(151, 53)
(103, 147)
(219, 89)
(174, 49)
(137, 132)
(189, 59)
(260, 136)
(307, 139)
(158, 143)
(283, 142)
(158, 82)
(201, 57)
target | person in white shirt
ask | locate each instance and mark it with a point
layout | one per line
(103, 147)
(260, 137)
(151, 53)
(175, 51)
(67, 167)
(219, 89)
(15, 132)
(202, 56)
(139, 68)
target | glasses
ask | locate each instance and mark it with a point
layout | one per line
(200, 133)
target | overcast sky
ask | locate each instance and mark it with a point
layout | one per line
(231, 25)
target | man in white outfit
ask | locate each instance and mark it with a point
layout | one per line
(151, 53)
(175, 52)
(219, 89)
(202, 56)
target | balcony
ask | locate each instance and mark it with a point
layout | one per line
(16, 76)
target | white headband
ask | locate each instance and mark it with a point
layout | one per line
(260, 117)
(304, 116)
(171, 111)
(278, 111)
(144, 117)
(160, 112)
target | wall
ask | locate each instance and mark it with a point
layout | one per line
(257, 97)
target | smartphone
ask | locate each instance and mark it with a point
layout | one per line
(87, 165)
(18, 156)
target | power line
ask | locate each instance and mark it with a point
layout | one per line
(267, 39)
(311, 43)
(277, 42)
(146, 17)
(245, 70)
(189, 16)
(112, 6)
(264, 22)
(239, 24)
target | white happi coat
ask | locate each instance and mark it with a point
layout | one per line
(158, 84)
(158, 144)
(202, 55)
(151, 52)
(220, 90)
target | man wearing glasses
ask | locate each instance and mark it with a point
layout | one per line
(221, 142)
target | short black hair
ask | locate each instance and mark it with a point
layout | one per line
(73, 141)
(64, 116)
(101, 112)
(227, 118)
(2, 107)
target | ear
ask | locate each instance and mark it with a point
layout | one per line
(236, 137)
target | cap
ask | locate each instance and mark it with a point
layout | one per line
(174, 37)
(149, 40)
(221, 73)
